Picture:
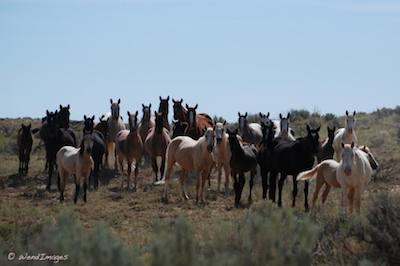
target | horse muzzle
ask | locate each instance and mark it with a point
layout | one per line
(347, 172)
(210, 148)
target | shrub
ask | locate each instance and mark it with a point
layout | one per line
(301, 114)
(329, 117)
(383, 229)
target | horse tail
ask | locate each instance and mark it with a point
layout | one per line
(308, 175)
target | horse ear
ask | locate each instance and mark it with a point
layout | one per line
(93, 117)
(181, 101)
(308, 128)
(245, 115)
(268, 115)
(168, 98)
(47, 112)
(68, 107)
(239, 114)
(61, 106)
(149, 105)
(354, 113)
(119, 101)
(260, 114)
(142, 105)
(195, 107)
(160, 98)
(229, 131)
(187, 106)
(288, 116)
(111, 101)
(318, 128)
(137, 112)
(224, 122)
(129, 113)
(173, 100)
(280, 116)
(84, 117)
(352, 144)
(342, 145)
(236, 131)
(155, 113)
(347, 113)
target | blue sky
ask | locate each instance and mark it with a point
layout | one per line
(227, 56)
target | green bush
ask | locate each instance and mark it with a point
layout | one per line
(383, 230)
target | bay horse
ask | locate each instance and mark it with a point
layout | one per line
(24, 142)
(325, 173)
(99, 148)
(291, 158)
(346, 135)
(77, 162)
(156, 144)
(192, 156)
(178, 128)
(196, 124)
(222, 154)
(164, 109)
(129, 147)
(250, 132)
(114, 125)
(243, 159)
(326, 150)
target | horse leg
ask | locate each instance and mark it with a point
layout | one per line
(51, 168)
(357, 199)
(155, 166)
(21, 158)
(236, 188)
(182, 184)
(242, 181)
(162, 168)
(264, 181)
(252, 174)
(294, 191)
(115, 157)
(129, 173)
(350, 197)
(272, 185)
(85, 189)
(198, 177)
(137, 162)
(28, 158)
(170, 165)
(96, 173)
(226, 171)
(280, 186)
(204, 175)
(306, 184)
(121, 161)
(318, 186)
(219, 169)
(61, 177)
(77, 189)
(326, 192)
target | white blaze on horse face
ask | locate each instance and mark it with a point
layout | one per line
(350, 122)
(347, 159)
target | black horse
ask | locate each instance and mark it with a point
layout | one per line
(326, 149)
(291, 158)
(264, 156)
(24, 141)
(99, 148)
(243, 159)
(54, 138)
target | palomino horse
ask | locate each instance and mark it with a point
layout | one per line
(196, 124)
(164, 109)
(292, 158)
(156, 144)
(243, 159)
(285, 131)
(325, 172)
(77, 162)
(346, 135)
(99, 148)
(222, 154)
(250, 132)
(181, 114)
(191, 155)
(326, 150)
(114, 125)
(129, 147)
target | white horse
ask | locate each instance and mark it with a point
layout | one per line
(250, 132)
(345, 135)
(192, 156)
(114, 125)
(78, 162)
(222, 154)
(326, 171)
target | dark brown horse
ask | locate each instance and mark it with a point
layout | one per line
(326, 150)
(197, 125)
(156, 144)
(25, 141)
(164, 109)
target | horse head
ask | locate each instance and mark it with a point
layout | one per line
(331, 133)
(284, 124)
(350, 121)
(179, 112)
(209, 136)
(164, 106)
(242, 120)
(313, 138)
(63, 116)
(348, 158)
(264, 119)
(191, 115)
(115, 109)
(146, 112)
(86, 145)
(219, 129)
(133, 121)
(159, 121)
(88, 124)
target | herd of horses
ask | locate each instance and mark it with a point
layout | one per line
(197, 144)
